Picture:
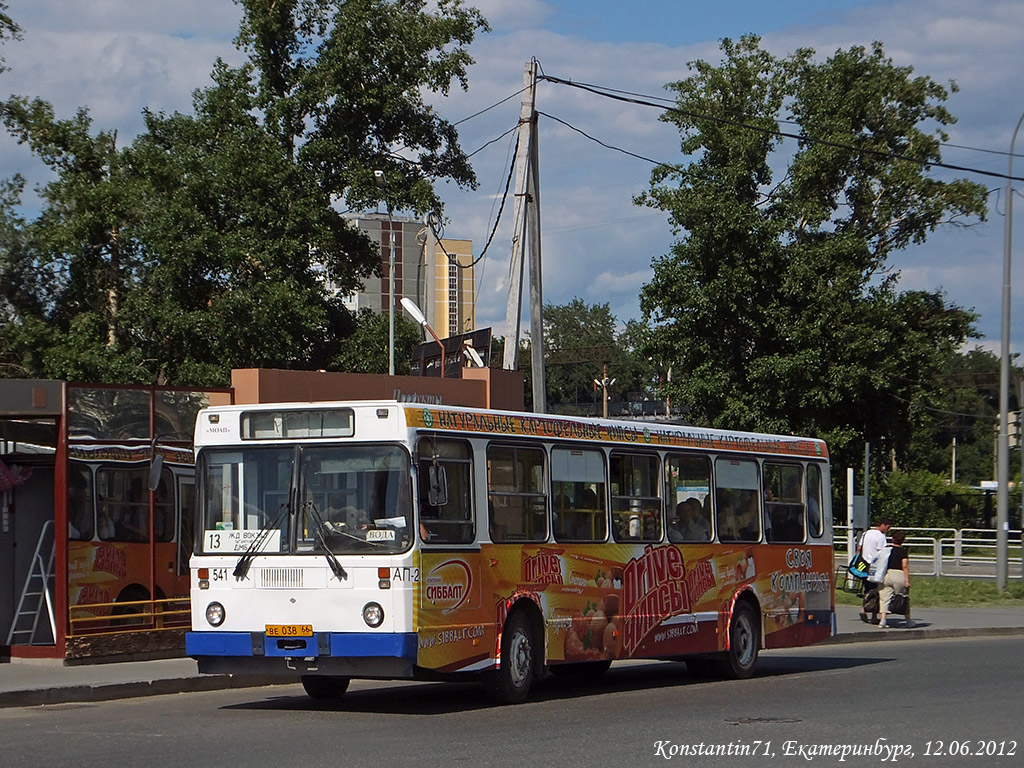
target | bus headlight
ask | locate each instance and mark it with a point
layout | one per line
(373, 615)
(215, 614)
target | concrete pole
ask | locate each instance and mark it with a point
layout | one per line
(849, 514)
(1003, 463)
(514, 310)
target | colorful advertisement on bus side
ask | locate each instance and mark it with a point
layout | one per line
(103, 572)
(619, 601)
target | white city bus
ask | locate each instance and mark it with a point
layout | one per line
(387, 540)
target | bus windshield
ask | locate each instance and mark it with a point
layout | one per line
(347, 499)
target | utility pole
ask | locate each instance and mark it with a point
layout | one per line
(526, 228)
(1003, 459)
(604, 383)
(1020, 442)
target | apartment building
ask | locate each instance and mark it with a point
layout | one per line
(437, 275)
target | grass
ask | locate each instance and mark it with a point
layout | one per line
(934, 593)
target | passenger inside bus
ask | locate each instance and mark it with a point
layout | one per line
(690, 523)
(105, 529)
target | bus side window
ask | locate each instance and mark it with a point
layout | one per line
(636, 499)
(783, 501)
(516, 493)
(688, 495)
(737, 506)
(80, 514)
(445, 490)
(815, 519)
(578, 489)
(123, 504)
(187, 511)
(163, 512)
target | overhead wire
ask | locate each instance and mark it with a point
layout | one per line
(490, 239)
(671, 101)
(608, 94)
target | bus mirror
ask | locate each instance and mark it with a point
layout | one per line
(437, 493)
(154, 471)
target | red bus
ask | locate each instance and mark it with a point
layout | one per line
(94, 559)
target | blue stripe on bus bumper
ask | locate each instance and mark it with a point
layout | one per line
(390, 644)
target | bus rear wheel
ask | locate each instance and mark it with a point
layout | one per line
(132, 614)
(739, 662)
(511, 683)
(325, 688)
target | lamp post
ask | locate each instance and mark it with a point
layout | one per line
(417, 315)
(378, 177)
(1003, 458)
(605, 384)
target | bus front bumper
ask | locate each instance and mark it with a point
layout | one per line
(352, 654)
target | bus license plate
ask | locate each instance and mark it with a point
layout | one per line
(289, 630)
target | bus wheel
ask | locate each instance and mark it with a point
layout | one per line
(133, 614)
(325, 688)
(581, 669)
(739, 661)
(510, 684)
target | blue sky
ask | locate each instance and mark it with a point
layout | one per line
(683, 21)
(118, 57)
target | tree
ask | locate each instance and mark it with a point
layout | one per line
(776, 308)
(66, 273)
(581, 340)
(209, 243)
(340, 83)
(965, 409)
(366, 349)
(9, 30)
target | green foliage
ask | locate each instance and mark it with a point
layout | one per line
(934, 593)
(582, 343)
(366, 349)
(65, 274)
(964, 408)
(341, 82)
(9, 30)
(776, 309)
(900, 498)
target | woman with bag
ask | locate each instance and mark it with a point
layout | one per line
(897, 579)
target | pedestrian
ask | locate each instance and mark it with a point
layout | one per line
(897, 578)
(871, 543)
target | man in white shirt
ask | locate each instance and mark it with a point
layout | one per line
(871, 543)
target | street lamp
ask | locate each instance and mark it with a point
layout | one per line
(473, 355)
(1003, 458)
(605, 384)
(412, 309)
(378, 177)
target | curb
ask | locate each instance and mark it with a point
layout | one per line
(923, 633)
(74, 694)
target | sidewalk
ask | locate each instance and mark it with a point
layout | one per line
(30, 683)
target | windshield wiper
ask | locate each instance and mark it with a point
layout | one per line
(332, 559)
(242, 566)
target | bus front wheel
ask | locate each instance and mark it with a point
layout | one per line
(510, 684)
(325, 688)
(739, 661)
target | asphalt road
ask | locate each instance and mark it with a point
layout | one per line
(894, 697)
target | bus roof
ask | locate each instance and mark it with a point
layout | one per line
(480, 421)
